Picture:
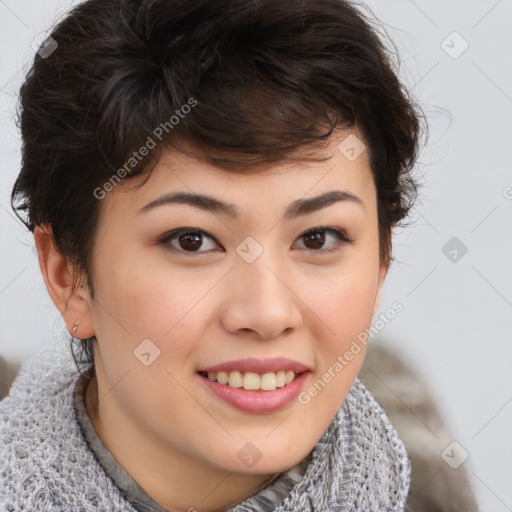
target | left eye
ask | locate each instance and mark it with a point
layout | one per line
(190, 240)
(316, 237)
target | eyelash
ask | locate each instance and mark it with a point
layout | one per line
(340, 235)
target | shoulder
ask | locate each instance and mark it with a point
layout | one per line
(44, 456)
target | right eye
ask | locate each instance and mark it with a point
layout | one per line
(190, 240)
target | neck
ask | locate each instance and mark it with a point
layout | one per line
(195, 484)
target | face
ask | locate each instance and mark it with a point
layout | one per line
(182, 289)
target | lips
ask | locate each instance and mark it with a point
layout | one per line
(255, 385)
(256, 401)
(260, 366)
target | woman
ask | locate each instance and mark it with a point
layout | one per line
(212, 188)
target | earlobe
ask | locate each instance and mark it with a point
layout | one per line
(57, 272)
(378, 297)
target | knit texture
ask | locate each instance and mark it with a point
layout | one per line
(46, 463)
(263, 501)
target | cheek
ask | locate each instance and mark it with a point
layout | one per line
(129, 286)
(347, 309)
(142, 300)
(343, 307)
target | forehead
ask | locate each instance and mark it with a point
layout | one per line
(342, 165)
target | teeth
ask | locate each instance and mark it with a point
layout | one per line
(268, 381)
(235, 379)
(253, 381)
(280, 379)
(222, 378)
(289, 376)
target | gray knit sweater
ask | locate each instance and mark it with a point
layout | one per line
(50, 460)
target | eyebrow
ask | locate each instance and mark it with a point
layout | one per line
(297, 208)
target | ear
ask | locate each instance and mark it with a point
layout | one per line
(383, 272)
(74, 305)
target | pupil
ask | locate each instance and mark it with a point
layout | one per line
(191, 241)
(318, 238)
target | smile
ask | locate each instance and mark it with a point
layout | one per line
(251, 380)
(256, 401)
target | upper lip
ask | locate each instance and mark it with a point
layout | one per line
(255, 365)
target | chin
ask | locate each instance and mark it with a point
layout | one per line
(253, 459)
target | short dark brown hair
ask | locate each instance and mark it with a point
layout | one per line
(267, 80)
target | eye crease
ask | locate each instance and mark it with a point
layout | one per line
(315, 236)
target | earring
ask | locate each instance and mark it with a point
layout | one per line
(75, 328)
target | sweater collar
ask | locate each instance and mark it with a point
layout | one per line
(359, 463)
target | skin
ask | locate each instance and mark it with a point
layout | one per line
(174, 437)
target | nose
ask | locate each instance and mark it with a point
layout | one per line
(261, 299)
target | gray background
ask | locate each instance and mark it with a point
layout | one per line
(457, 318)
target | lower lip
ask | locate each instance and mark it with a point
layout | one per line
(257, 401)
